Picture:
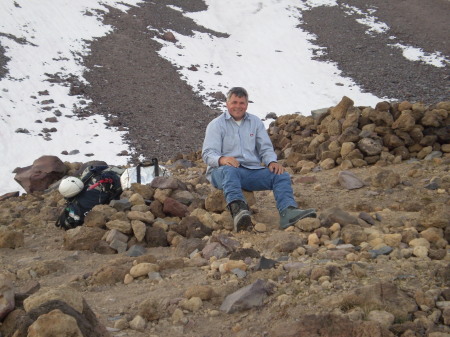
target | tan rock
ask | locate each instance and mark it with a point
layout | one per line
(121, 324)
(405, 122)
(445, 148)
(177, 316)
(128, 279)
(7, 302)
(340, 110)
(136, 199)
(143, 269)
(419, 242)
(383, 317)
(424, 152)
(82, 238)
(162, 194)
(405, 105)
(146, 217)
(313, 240)
(327, 164)
(432, 234)
(420, 251)
(62, 293)
(203, 292)
(205, 218)
(308, 224)
(215, 201)
(193, 304)
(393, 240)
(232, 264)
(138, 323)
(139, 229)
(121, 226)
(55, 324)
(10, 239)
(435, 215)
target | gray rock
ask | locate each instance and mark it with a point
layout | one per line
(187, 246)
(349, 180)
(226, 241)
(248, 297)
(239, 273)
(432, 155)
(118, 245)
(214, 249)
(121, 205)
(370, 147)
(386, 250)
(331, 215)
(115, 234)
(165, 183)
(265, 263)
(136, 250)
(367, 218)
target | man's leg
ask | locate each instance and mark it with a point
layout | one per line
(228, 179)
(263, 179)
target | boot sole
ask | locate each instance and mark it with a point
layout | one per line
(243, 221)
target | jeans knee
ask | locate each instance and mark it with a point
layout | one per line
(227, 168)
(283, 177)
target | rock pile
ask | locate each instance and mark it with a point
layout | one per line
(163, 260)
(352, 136)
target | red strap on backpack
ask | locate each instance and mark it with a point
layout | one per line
(103, 181)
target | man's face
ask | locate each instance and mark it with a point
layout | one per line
(237, 106)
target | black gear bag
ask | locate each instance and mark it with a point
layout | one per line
(101, 185)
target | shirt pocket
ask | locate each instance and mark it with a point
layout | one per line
(248, 141)
(230, 144)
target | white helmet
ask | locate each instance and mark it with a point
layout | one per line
(70, 187)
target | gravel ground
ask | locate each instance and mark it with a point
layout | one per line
(3, 62)
(369, 60)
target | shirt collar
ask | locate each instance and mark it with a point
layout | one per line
(228, 116)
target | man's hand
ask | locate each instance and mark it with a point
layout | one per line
(276, 168)
(230, 161)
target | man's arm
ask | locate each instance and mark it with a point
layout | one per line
(264, 145)
(212, 145)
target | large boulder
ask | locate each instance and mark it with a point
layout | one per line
(38, 177)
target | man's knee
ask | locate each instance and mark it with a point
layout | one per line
(284, 178)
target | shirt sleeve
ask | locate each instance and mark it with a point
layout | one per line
(212, 144)
(264, 145)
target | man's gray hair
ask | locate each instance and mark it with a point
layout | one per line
(237, 91)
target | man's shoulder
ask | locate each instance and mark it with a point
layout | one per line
(253, 117)
(219, 119)
(255, 120)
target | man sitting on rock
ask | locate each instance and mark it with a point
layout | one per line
(240, 155)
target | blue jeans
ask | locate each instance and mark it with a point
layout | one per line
(232, 180)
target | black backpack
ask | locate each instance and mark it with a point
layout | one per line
(101, 185)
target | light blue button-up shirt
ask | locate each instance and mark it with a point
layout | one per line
(249, 142)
